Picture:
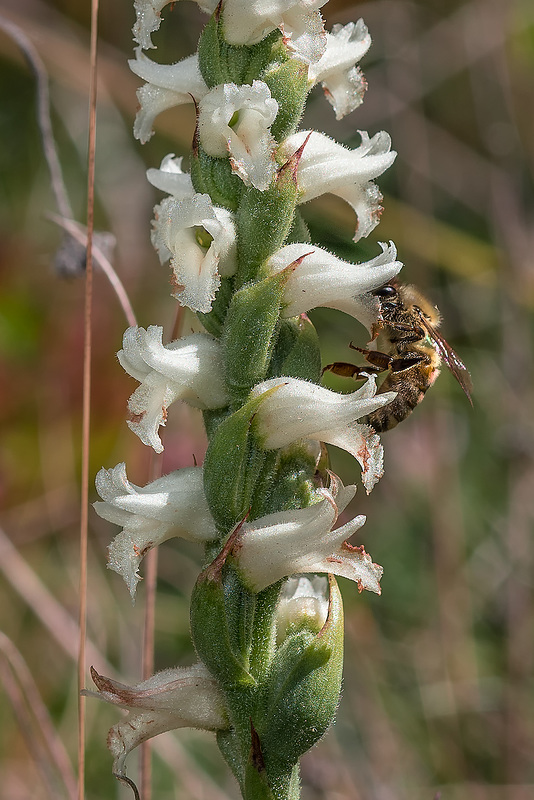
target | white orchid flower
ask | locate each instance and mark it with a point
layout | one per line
(343, 82)
(167, 85)
(302, 541)
(173, 505)
(171, 178)
(148, 18)
(235, 121)
(302, 410)
(247, 22)
(319, 279)
(200, 240)
(183, 697)
(187, 369)
(326, 166)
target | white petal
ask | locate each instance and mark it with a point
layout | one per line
(167, 85)
(148, 13)
(304, 601)
(305, 34)
(170, 178)
(148, 408)
(320, 279)
(342, 81)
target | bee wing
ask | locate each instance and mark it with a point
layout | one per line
(452, 359)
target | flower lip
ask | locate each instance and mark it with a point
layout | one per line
(343, 82)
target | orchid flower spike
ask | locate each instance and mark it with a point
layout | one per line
(302, 410)
(319, 279)
(187, 369)
(174, 505)
(167, 85)
(302, 540)
(343, 82)
(235, 121)
(183, 697)
(200, 240)
(326, 166)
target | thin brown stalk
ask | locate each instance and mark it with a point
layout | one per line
(43, 742)
(86, 400)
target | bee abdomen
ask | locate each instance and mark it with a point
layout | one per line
(411, 386)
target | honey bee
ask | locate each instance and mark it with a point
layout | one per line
(413, 351)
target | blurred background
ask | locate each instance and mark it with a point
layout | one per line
(438, 697)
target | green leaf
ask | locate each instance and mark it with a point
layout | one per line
(213, 321)
(216, 640)
(214, 176)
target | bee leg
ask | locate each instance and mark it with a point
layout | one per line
(349, 370)
(405, 362)
(381, 361)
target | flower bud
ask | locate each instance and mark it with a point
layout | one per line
(303, 604)
(301, 694)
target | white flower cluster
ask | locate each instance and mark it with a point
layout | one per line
(199, 239)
